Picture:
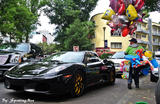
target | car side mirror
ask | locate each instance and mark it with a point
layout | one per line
(90, 60)
(107, 62)
(33, 51)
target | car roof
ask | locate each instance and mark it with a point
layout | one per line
(81, 51)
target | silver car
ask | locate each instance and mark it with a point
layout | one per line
(154, 73)
(117, 58)
(157, 91)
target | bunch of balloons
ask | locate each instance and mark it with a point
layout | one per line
(124, 15)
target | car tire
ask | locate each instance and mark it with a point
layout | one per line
(153, 78)
(112, 77)
(157, 92)
(77, 84)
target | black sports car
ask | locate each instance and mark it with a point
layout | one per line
(61, 72)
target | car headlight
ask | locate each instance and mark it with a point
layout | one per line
(15, 59)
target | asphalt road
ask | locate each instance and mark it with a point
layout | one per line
(98, 94)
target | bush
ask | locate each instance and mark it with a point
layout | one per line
(105, 55)
(48, 48)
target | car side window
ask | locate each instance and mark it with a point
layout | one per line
(91, 58)
(33, 49)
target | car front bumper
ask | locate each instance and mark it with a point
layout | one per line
(118, 71)
(56, 85)
(155, 72)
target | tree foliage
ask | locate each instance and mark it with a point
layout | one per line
(64, 13)
(152, 5)
(17, 17)
(48, 48)
(77, 34)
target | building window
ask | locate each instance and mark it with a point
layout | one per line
(155, 40)
(143, 36)
(116, 45)
(116, 33)
(154, 30)
(139, 26)
(143, 26)
(159, 31)
(138, 36)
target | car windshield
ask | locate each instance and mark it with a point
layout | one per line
(18, 47)
(22, 47)
(118, 55)
(75, 57)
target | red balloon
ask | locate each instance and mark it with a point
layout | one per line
(125, 31)
(112, 30)
(114, 5)
(139, 4)
(121, 9)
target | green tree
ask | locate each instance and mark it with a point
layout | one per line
(77, 34)
(48, 48)
(63, 13)
(152, 5)
(34, 6)
(18, 17)
(15, 19)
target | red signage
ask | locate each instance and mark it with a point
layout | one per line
(75, 48)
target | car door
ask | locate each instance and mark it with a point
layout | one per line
(93, 65)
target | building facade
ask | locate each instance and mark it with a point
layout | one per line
(115, 42)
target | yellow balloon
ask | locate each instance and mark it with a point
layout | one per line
(148, 54)
(108, 14)
(131, 12)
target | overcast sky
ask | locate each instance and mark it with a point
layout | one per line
(102, 5)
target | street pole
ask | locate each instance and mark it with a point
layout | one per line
(104, 28)
(150, 34)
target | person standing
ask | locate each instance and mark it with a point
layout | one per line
(133, 72)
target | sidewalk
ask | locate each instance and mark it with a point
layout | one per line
(146, 92)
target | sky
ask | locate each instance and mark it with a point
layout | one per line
(102, 5)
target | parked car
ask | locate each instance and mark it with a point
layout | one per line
(117, 58)
(157, 91)
(61, 73)
(154, 73)
(15, 53)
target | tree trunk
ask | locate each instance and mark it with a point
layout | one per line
(20, 39)
(27, 38)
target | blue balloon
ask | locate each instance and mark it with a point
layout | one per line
(135, 60)
(154, 63)
(145, 71)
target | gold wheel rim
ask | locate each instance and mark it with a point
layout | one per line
(78, 84)
(112, 79)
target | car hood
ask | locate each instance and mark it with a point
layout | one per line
(116, 60)
(35, 68)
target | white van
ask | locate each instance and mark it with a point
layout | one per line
(117, 58)
(154, 73)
